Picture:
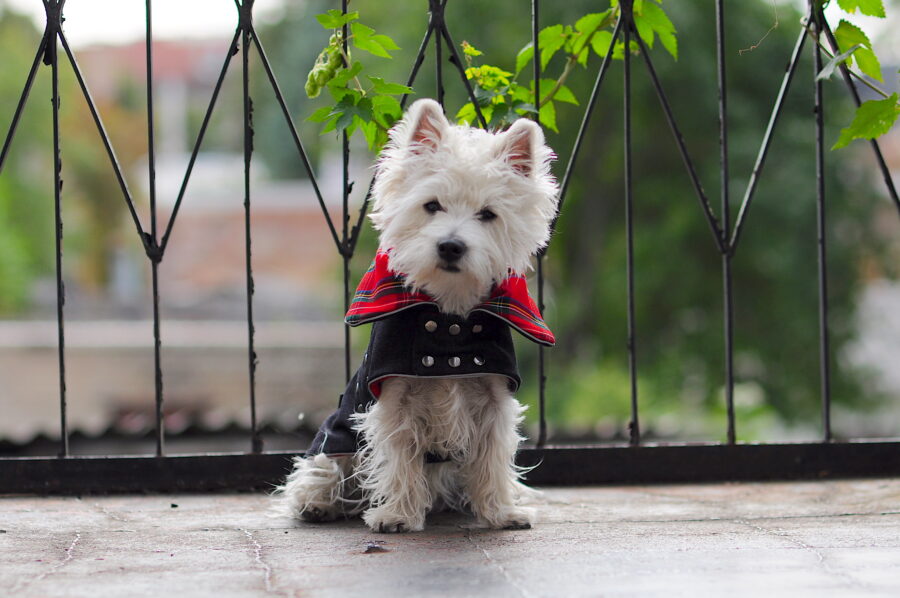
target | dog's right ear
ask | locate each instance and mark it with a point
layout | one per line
(427, 125)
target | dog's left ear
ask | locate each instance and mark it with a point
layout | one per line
(518, 145)
(427, 124)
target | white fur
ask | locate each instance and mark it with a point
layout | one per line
(471, 421)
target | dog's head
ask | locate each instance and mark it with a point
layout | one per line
(459, 207)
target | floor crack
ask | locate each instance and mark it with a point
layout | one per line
(56, 567)
(114, 516)
(257, 555)
(848, 580)
(492, 561)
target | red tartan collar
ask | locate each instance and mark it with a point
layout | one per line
(382, 292)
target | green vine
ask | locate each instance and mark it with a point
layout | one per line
(369, 109)
(873, 118)
(372, 108)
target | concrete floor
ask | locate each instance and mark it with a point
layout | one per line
(762, 540)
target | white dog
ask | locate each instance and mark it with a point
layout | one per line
(429, 418)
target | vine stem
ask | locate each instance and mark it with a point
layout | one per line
(347, 62)
(860, 78)
(570, 63)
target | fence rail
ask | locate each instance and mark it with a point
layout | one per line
(637, 462)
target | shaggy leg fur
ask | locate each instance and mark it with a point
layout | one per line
(391, 466)
(472, 422)
(318, 490)
(490, 476)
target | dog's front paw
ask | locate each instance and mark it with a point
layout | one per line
(391, 527)
(313, 514)
(516, 518)
(385, 522)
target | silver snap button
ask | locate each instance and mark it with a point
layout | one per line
(428, 361)
(477, 328)
(478, 360)
(430, 325)
(454, 329)
(454, 362)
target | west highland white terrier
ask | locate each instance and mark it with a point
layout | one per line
(430, 419)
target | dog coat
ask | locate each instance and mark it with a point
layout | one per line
(411, 338)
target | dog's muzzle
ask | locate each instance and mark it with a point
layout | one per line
(450, 251)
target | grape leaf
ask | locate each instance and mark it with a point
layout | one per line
(344, 75)
(550, 40)
(466, 114)
(470, 50)
(386, 110)
(320, 115)
(524, 57)
(832, 64)
(382, 86)
(588, 23)
(333, 19)
(547, 116)
(873, 8)
(601, 42)
(849, 35)
(365, 39)
(873, 119)
(653, 20)
(585, 27)
(563, 94)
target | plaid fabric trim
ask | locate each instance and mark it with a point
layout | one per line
(382, 292)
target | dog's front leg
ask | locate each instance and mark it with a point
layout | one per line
(391, 467)
(315, 491)
(489, 474)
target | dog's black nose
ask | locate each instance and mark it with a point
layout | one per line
(451, 250)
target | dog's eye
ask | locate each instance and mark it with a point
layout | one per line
(433, 206)
(485, 215)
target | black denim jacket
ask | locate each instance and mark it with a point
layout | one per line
(419, 342)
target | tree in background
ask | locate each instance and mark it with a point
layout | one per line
(93, 207)
(678, 270)
(680, 347)
(26, 217)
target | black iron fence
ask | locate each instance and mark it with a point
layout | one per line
(636, 462)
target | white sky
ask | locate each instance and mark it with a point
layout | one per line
(117, 21)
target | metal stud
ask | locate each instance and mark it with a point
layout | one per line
(454, 329)
(477, 328)
(454, 362)
(428, 361)
(430, 325)
(479, 360)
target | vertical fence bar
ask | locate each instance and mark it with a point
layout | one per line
(246, 20)
(54, 20)
(345, 217)
(634, 425)
(542, 376)
(437, 15)
(728, 297)
(824, 352)
(153, 254)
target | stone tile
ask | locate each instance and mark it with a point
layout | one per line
(816, 539)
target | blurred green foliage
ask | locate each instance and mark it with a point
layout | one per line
(679, 297)
(24, 251)
(92, 203)
(678, 269)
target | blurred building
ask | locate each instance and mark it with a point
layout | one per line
(203, 285)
